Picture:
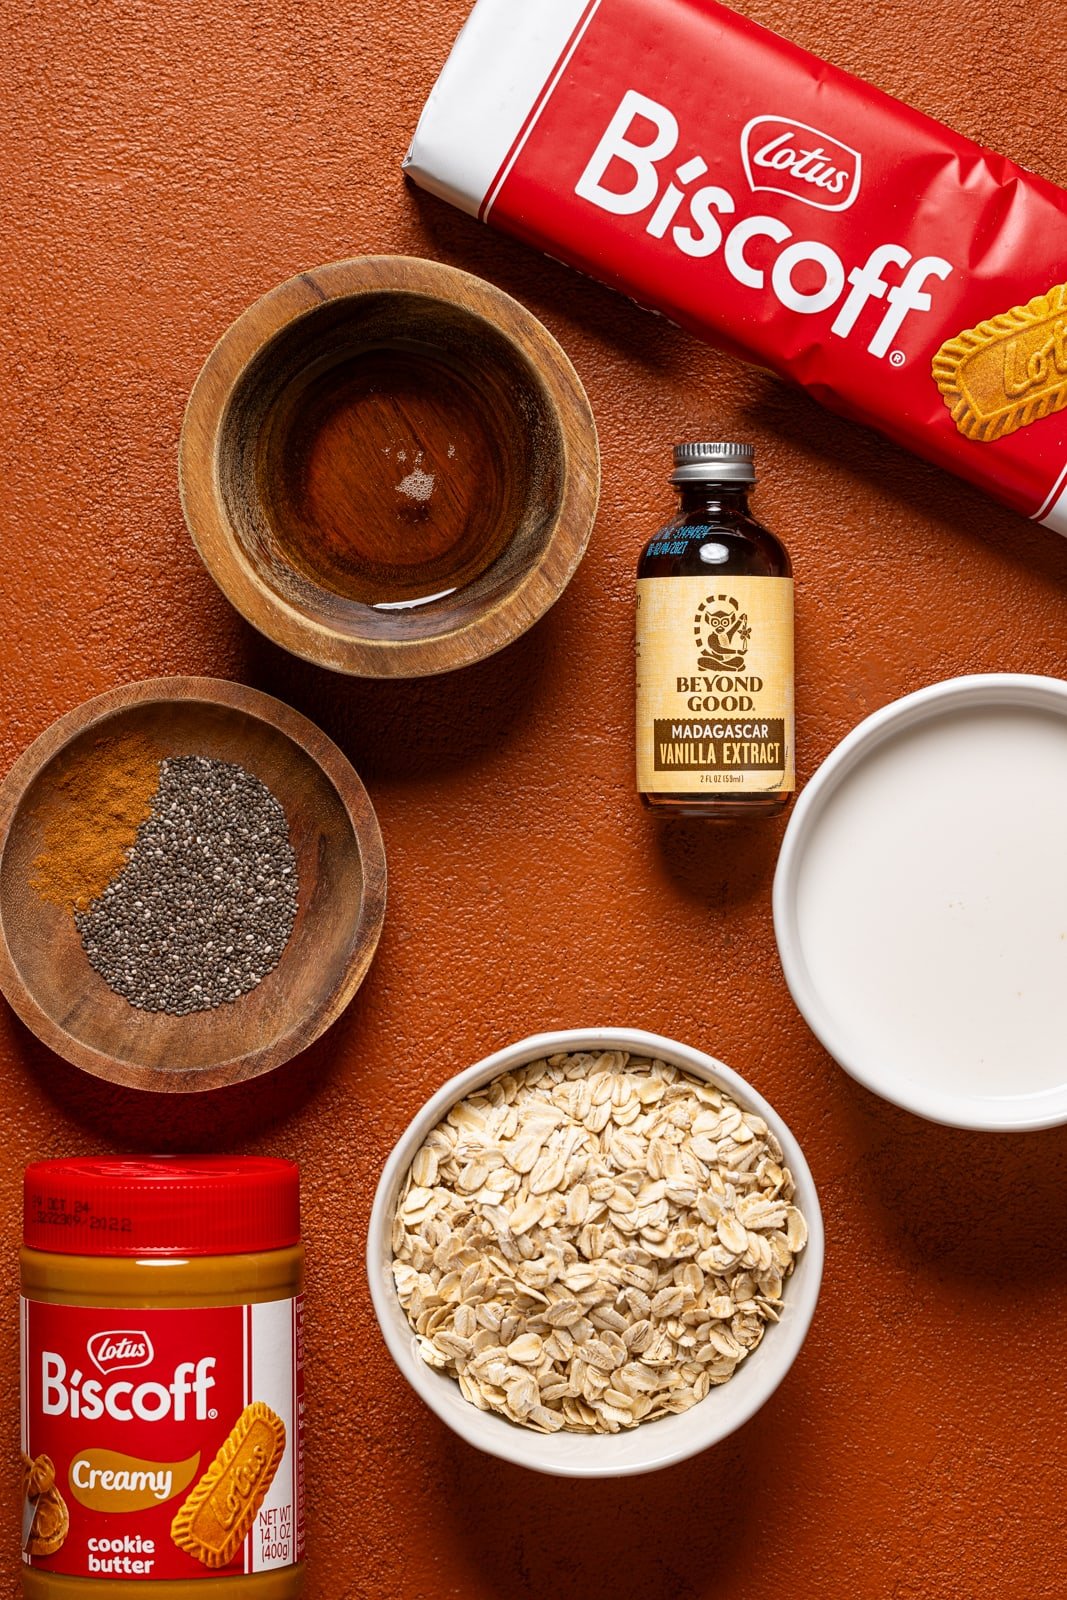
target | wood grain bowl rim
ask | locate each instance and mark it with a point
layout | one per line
(344, 780)
(221, 549)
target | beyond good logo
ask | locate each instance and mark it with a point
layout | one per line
(628, 175)
(791, 158)
(123, 1348)
(722, 634)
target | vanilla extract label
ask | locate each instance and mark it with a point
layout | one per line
(718, 746)
(715, 685)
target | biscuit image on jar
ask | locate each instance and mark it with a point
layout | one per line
(50, 1519)
(222, 1507)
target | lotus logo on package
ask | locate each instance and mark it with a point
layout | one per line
(124, 1347)
(791, 158)
(66, 1393)
(635, 171)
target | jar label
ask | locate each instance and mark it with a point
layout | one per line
(715, 686)
(162, 1443)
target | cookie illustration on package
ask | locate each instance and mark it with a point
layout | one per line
(221, 1509)
(1008, 371)
(51, 1519)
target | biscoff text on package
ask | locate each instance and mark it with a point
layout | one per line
(703, 233)
(69, 1393)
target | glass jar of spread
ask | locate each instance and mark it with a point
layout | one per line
(162, 1378)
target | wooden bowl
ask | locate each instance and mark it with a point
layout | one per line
(389, 467)
(44, 972)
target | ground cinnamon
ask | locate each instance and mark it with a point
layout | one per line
(92, 816)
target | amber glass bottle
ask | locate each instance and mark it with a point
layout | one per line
(715, 649)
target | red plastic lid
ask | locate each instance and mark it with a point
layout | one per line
(161, 1205)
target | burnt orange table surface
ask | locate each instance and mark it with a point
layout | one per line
(160, 167)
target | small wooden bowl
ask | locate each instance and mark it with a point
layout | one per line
(44, 972)
(389, 467)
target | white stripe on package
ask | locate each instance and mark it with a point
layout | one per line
(274, 1530)
(491, 81)
(1054, 511)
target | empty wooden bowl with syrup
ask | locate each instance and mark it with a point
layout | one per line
(389, 467)
(45, 972)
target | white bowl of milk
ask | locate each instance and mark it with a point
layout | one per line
(920, 902)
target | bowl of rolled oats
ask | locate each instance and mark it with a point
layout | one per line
(596, 1252)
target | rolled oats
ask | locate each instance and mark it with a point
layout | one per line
(594, 1241)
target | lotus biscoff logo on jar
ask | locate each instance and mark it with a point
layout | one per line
(118, 1349)
(65, 1392)
(795, 159)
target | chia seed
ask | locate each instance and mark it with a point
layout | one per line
(206, 902)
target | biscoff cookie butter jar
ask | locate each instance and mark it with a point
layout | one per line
(162, 1378)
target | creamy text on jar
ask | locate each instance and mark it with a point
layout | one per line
(715, 649)
(162, 1378)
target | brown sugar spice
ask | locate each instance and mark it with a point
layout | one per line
(92, 820)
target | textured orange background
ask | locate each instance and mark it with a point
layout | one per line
(161, 166)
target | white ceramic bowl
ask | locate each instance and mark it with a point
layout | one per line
(920, 902)
(652, 1444)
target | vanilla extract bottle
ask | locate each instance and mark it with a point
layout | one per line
(715, 649)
